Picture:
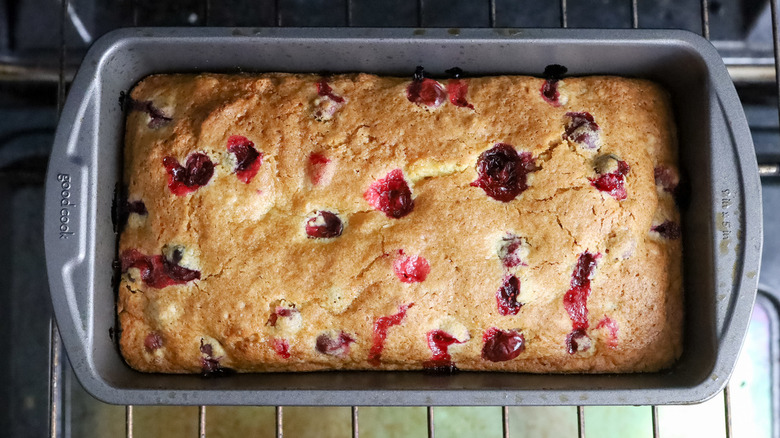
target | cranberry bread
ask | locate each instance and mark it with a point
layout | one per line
(287, 222)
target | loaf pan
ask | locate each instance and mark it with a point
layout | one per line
(721, 223)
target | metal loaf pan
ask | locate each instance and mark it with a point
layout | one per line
(721, 224)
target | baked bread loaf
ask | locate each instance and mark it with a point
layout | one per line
(292, 222)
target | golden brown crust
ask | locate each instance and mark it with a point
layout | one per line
(247, 240)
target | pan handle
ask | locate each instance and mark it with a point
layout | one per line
(739, 206)
(68, 217)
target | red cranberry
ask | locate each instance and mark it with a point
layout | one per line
(612, 329)
(411, 269)
(586, 266)
(210, 364)
(318, 166)
(183, 180)
(582, 129)
(614, 182)
(502, 172)
(575, 301)
(506, 296)
(157, 117)
(502, 345)
(281, 312)
(122, 209)
(667, 178)
(458, 89)
(439, 342)
(282, 348)
(553, 73)
(206, 349)
(668, 230)
(425, 91)
(157, 271)
(326, 106)
(153, 341)
(324, 90)
(338, 346)
(510, 251)
(323, 225)
(391, 195)
(247, 157)
(550, 92)
(381, 325)
(137, 207)
(577, 340)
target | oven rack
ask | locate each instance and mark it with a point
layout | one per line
(750, 70)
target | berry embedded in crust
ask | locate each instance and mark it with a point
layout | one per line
(183, 180)
(502, 172)
(502, 345)
(323, 225)
(248, 159)
(391, 195)
(425, 91)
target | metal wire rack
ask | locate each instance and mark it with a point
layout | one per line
(57, 420)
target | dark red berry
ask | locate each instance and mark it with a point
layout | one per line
(326, 106)
(122, 208)
(439, 342)
(502, 345)
(206, 349)
(281, 312)
(582, 129)
(425, 91)
(506, 296)
(318, 166)
(502, 172)
(550, 92)
(391, 195)
(248, 159)
(381, 325)
(577, 340)
(458, 89)
(324, 90)
(667, 178)
(575, 301)
(411, 269)
(282, 348)
(323, 225)
(153, 341)
(614, 182)
(338, 346)
(209, 364)
(612, 329)
(137, 207)
(179, 274)
(183, 180)
(157, 117)
(552, 73)
(510, 251)
(586, 266)
(157, 271)
(668, 230)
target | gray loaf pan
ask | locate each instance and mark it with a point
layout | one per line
(721, 221)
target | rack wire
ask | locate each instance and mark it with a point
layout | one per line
(57, 358)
